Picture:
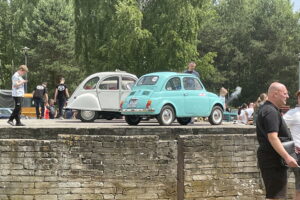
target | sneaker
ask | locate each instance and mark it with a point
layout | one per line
(10, 122)
(20, 124)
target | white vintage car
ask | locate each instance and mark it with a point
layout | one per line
(100, 95)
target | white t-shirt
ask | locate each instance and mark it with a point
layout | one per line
(250, 112)
(17, 91)
(292, 119)
(243, 117)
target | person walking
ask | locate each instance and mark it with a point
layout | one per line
(60, 96)
(292, 119)
(40, 96)
(271, 130)
(18, 94)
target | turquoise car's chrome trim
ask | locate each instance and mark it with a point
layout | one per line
(138, 110)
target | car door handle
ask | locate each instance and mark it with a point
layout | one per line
(185, 94)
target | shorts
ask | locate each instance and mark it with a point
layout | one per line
(275, 180)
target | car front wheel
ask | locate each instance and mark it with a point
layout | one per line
(216, 116)
(88, 115)
(184, 120)
(166, 116)
(132, 119)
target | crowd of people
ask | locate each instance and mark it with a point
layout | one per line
(247, 113)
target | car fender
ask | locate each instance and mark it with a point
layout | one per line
(162, 103)
(85, 101)
(216, 103)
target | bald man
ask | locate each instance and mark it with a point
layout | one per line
(271, 129)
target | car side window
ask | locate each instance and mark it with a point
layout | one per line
(91, 84)
(111, 83)
(127, 83)
(173, 84)
(190, 83)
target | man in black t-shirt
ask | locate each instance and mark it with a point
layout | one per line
(271, 131)
(40, 96)
(61, 95)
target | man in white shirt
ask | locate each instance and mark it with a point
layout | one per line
(18, 94)
(292, 119)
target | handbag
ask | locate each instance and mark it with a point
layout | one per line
(289, 146)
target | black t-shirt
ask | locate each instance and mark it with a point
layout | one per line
(269, 120)
(40, 91)
(61, 91)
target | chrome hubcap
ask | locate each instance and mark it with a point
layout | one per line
(87, 114)
(167, 116)
(217, 116)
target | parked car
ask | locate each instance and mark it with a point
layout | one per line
(5, 113)
(100, 94)
(168, 96)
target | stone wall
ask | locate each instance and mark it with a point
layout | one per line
(220, 167)
(149, 163)
(88, 167)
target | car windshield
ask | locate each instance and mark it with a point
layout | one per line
(148, 80)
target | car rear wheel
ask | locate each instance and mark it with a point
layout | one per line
(132, 119)
(184, 120)
(166, 116)
(88, 115)
(216, 116)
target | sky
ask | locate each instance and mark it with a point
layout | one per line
(296, 5)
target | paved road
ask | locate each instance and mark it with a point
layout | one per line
(73, 123)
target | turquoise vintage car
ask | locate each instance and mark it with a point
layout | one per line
(168, 96)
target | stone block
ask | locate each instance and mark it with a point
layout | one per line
(69, 185)
(34, 191)
(45, 197)
(20, 197)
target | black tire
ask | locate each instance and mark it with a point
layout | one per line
(132, 119)
(166, 116)
(88, 115)
(216, 116)
(184, 120)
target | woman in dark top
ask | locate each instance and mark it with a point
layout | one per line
(61, 95)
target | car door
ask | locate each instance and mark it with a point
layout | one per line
(109, 93)
(173, 93)
(126, 85)
(196, 101)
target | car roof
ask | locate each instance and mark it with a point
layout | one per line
(168, 74)
(102, 74)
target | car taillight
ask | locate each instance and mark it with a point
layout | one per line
(121, 104)
(148, 104)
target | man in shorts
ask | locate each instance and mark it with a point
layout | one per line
(271, 129)
(292, 119)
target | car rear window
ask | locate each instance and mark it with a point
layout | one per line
(148, 80)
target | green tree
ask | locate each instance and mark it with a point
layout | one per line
(49, 32)
(141, 36)
(256, 42)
